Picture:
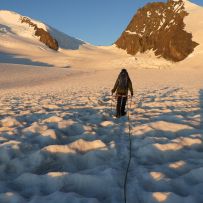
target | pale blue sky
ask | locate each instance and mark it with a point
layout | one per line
(99, 22)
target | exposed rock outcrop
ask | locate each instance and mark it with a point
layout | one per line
(45, 36)
(160, 27)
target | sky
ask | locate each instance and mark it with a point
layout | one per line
(99, 22)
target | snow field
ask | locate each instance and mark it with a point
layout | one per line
(59, 141)
(64, 147)
(167, 147)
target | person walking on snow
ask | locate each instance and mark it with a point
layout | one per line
(121, 87)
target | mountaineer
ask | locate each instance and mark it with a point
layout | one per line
(121, 87)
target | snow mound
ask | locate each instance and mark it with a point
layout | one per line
(79, 146)
(63, 198)
(10, 197)
(71, 127)
(106, 123)
(169, 129)
(167, 126)
(9, 122)
(53, 119)
(78, 152)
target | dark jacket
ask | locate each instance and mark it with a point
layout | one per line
(120, 89)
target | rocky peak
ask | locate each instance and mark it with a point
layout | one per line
(159, 26)
(44, 36)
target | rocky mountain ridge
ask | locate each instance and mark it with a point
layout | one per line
(45, 36)
(159, 27)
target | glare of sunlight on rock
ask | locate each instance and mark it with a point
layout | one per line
(157, 175)
(176, 165)
(161, 196)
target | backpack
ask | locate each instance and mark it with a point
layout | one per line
(123, 81)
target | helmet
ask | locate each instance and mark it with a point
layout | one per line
(123, 70)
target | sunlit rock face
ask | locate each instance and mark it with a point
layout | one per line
(43, 35)
(159, 27)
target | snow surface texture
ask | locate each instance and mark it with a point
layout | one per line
(59, 142)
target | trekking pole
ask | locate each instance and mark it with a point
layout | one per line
(111, 103)
(130, 108)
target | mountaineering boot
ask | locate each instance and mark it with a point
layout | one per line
(123, 113)
(117, 115)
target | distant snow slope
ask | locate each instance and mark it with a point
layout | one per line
(18, 40)
(65, 41)
(194, 24)
(11, 23)
(19, 45)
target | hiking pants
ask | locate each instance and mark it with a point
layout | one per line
(120, 108)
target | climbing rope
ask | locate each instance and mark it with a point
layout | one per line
(130, 153)
(130, 145)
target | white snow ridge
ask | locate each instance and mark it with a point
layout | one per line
(59, 140)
